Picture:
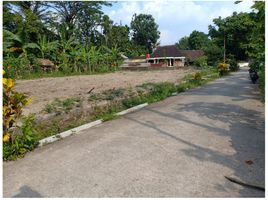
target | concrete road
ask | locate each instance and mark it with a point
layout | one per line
(180, 147)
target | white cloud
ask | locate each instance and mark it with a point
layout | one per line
(177, 18)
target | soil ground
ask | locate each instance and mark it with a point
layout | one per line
(44, 90)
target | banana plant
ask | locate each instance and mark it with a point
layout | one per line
(15, 43)
(113, 55)
(95, 57)
(46, 47)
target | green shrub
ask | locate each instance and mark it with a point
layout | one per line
(181, 88)
(134, 101)
(62, 106)
(102, 69)
(201, 62)
(22, 142)
(233, 65)
(16, 67)
(161, 91)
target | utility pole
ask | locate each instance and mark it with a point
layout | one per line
(224, 48)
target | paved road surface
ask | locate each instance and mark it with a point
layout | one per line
(180, 147)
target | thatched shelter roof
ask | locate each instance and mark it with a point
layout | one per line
(44, 62)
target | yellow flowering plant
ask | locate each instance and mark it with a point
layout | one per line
(223, 68)
(13, 102)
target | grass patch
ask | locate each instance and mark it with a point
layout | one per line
(108, 95)
(62, 106)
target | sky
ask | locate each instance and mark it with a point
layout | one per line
(176, 19)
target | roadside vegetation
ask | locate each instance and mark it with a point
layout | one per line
(50, 39)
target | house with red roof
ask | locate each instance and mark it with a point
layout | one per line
(171, 56)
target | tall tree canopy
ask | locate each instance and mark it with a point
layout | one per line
(235, 30)
(183, 43)
(145, 31)
(198, 40)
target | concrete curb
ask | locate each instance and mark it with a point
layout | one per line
(64, 134)
(68, 133)
(131, 109)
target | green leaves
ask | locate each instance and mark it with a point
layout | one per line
(145, 31)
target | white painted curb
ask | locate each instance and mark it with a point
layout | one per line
(131, 109)
(64, 134)
(68, 133)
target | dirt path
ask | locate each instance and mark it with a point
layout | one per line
(45, 90)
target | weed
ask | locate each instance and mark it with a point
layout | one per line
(113, 93)
(60, 106)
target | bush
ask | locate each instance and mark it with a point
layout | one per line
(201, 62)
(197, 76)
(233, 65)
(20, 66)
(17, 140)
(22, 142)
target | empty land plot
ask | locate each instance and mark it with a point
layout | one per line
(44, 90)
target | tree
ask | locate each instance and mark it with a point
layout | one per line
(183, 43)
(118, 36)
(198, 40)
(15, 43)
(145, 31)
(256, 45)
(234, 31)
(79, 17)
(25, 18)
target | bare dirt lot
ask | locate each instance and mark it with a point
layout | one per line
(44, 90)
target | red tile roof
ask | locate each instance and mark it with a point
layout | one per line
(173, 51)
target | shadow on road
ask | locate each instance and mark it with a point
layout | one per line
(245, 130)
(27, 192)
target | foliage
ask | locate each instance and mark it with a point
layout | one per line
(233, 64)
(183, 43)
(76, 36)
(62, 106)
(145, 31)
(13, 102)
(16, 67)
(201, 62)
(198, 40)
(235, 29)
(201, 41)
(17, 139)
(197, 76)
(214, 53)
(21, 143)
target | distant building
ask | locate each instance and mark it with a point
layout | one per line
(168, 56)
